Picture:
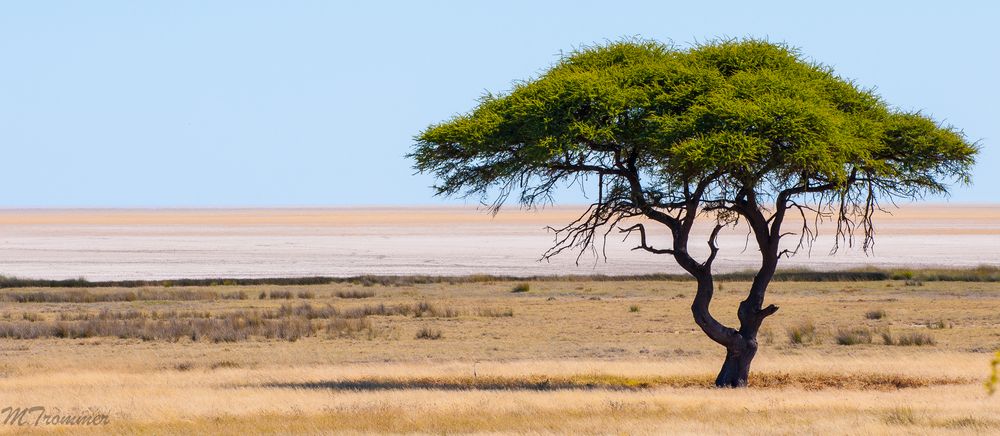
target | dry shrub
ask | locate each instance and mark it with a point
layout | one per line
(379, 310)
(355, 294)
(25, 330)
(304, 310)
(341, 327)
(853, 336)
(222, 364)
(425, 309)
(875, 314)
(419, 310)
(802, 333)
(900, 416)
(490, 312)
(970, 424)
(280, 295)
(31, 317)
(914, 339)
(428, 333)
(939, 325)
(767, 335)
(289, 329)
(521, 287)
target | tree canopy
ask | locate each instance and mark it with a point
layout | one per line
(747, 114)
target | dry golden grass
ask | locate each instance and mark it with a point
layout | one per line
(565, 357)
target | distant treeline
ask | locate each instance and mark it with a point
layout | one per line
(983, 273)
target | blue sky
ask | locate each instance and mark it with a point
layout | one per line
(148, 104)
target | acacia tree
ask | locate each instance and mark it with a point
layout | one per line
(736, 132)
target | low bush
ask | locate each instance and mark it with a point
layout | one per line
(908, 339)
(853, 336)
(428, 333)
(280, 295)
(802, 333)
(521, 287)
(490, 312)
(938, 325)
(356, 294)
(875, 314)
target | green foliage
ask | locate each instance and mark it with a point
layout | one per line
(758, 114)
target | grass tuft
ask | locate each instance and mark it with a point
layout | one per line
(428, 333)
(802, 333)
(939, 325)
(900, 416)
(223, 364)
(356, 294)
(853, 336)
(909, 339)
(875, 314)
(489, 312)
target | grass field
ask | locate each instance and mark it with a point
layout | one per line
(581, 357)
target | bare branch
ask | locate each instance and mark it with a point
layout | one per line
(713, 246)
(642, 240)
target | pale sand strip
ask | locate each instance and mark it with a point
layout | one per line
(911, 219)
(171, 243)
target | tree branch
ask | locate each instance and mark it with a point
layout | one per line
(713, 246)
(642, 240)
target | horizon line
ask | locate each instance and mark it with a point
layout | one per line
(392, 206)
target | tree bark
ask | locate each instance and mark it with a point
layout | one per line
(741, 345)
(736, 368)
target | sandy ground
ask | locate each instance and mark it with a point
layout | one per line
(198, 243)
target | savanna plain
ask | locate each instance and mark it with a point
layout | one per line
(491, 356)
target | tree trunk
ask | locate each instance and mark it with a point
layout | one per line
(741, 345)
(736, 368)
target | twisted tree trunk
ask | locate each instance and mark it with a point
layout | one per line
(741, 345)
(736, 369)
